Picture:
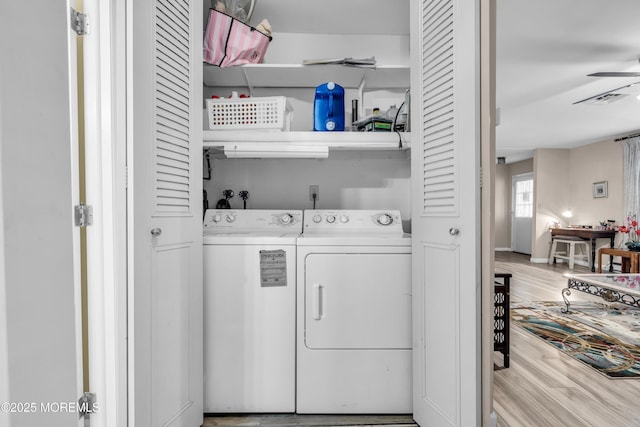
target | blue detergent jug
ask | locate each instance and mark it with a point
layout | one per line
(328, 107)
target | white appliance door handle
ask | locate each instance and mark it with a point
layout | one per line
(316, 301)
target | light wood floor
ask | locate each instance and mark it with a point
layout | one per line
(290, 420)
(542, 387)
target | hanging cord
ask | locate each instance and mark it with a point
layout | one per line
(208, 159)
(315, 196)
(393, 125)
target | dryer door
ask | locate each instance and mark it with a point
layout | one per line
(358, 301)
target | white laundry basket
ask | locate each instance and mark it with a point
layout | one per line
(258, 113)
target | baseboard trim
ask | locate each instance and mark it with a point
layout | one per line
(503, 249)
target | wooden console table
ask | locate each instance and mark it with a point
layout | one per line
(586, 234)
(630, 259)
(623, 288)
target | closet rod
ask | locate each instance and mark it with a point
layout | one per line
(627, 137)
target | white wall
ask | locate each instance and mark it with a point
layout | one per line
(4, 349)
(564, 180)
(36, 220)
(347, 180)
(551, 195)
(595, 163)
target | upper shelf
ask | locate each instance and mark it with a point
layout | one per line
(306, 76)
(335, 16)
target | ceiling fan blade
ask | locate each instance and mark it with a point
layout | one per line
(616, 74)
(606, 93)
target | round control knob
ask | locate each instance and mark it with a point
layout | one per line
(344, 219)
(385, 219)
(216, 218)
(317, 218)
(286, 219)
(331, 85)
(331, 125)
(231, 217)
(331, 219)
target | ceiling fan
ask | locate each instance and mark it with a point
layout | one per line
(614, 94)
(611, 95)
(616, 73)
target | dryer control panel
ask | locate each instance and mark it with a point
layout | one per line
(353, 221)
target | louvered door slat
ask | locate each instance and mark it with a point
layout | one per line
(168, 175)
(173, 137)
(175, 110)
(169, 121)
(172, 67)
(172, 107)
(169, 88)
(171, 185)
(167, 19)
(167, 76)
(438, 141)
(172, 150)
(180, 11)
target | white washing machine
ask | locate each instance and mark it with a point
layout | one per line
(249, 310)
(354, 313)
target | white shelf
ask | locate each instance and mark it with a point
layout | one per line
(332, 140)
(375, 30)
(306, 76)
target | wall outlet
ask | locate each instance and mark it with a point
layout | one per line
(314, 189)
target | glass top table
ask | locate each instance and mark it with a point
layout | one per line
(623, 288)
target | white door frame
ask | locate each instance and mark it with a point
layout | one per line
(105, 166)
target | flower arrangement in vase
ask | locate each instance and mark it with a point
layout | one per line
(631, 228)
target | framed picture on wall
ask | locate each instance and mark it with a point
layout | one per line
(599, 189)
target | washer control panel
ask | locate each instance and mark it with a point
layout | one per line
(376, 222)
(251, 220)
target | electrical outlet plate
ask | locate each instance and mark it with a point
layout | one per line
(314, 189)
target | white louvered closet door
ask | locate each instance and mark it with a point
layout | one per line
(165, 188)
(446, 212)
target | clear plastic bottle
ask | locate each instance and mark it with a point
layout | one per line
(392, 112)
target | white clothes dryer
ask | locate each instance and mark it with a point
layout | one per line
(354, 313)
(249, 310)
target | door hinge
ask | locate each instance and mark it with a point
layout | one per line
(83, 215)
(87, 405)
(79, 22)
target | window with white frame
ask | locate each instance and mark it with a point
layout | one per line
(523, 203)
